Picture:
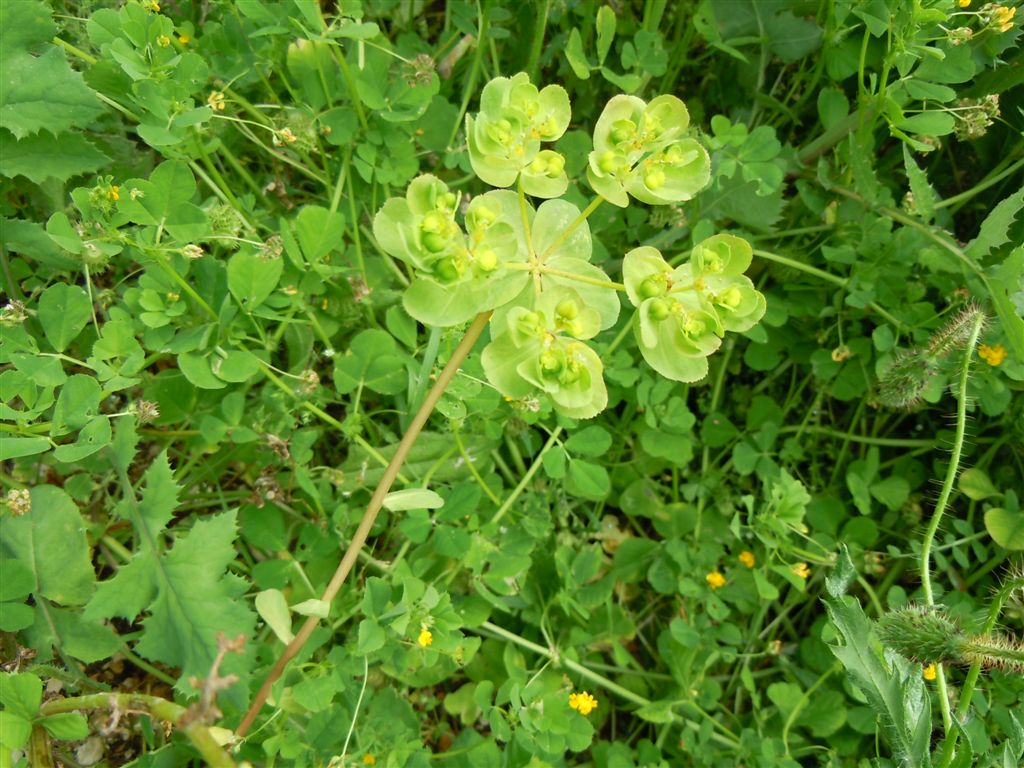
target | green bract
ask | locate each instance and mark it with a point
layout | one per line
(683, 312)
(540, 350)
(639, 150)
(504, 139)
(457, 274)
(531, 266)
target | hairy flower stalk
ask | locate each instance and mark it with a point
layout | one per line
(928, 635)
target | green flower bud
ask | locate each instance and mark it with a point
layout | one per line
(571, 373)
(568, 309)
(672, 155)
(556, 164)
(538, 166)
(551, 363)
(487, 259)
(434, 242)
(447, 201)
(660, 309)
(622, 131)
(654, 179)
(501, 132)
(447, 270)
(651, 287)
(730, 297)
(608, 162)
(692, 326)
(530, 324)
(651, 127)
(483, 216)
(434, 222)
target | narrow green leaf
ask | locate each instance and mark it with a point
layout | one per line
(412, 498)
(576, 57)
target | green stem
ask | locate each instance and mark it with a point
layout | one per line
(472, 335)
(558, 659)
(889, 442)
(540, 27)
(160, 709)
(544, 270)
(527, 477)
(357, 102)
(827, 276)
(940, 506)
(798, 265)
(981, 186)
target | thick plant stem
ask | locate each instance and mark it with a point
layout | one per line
(473, 333)
(161, 709)
(940, 506)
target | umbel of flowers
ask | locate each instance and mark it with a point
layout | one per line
(530, 264)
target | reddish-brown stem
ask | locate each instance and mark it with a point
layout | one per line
(473, 333)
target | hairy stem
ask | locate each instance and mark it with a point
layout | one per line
(473, 333)
(940, 506)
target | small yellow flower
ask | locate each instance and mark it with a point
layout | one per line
(114, 193)
(184, 39)
(747, 558)
(1002, 18)
(369, 759)
(715, 580)
(803, 570)
(964, 3)
(152, 5)
(929, 672)
(163, 41)
(287, 136)
(583, 703)
(216, 101)
(992, 355)
(425, 638)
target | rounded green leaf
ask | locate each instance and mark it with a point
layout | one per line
(273, 609)
(64, 311)
(1005, 527)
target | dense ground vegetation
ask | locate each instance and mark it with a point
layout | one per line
(722, 453)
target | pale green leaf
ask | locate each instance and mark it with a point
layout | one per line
(273, 609)
(412, 498)
(1005, 527)
(319, 608)
(51, 540)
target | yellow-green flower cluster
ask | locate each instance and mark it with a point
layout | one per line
(640, 151)
(505, 136)
(683, 313)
